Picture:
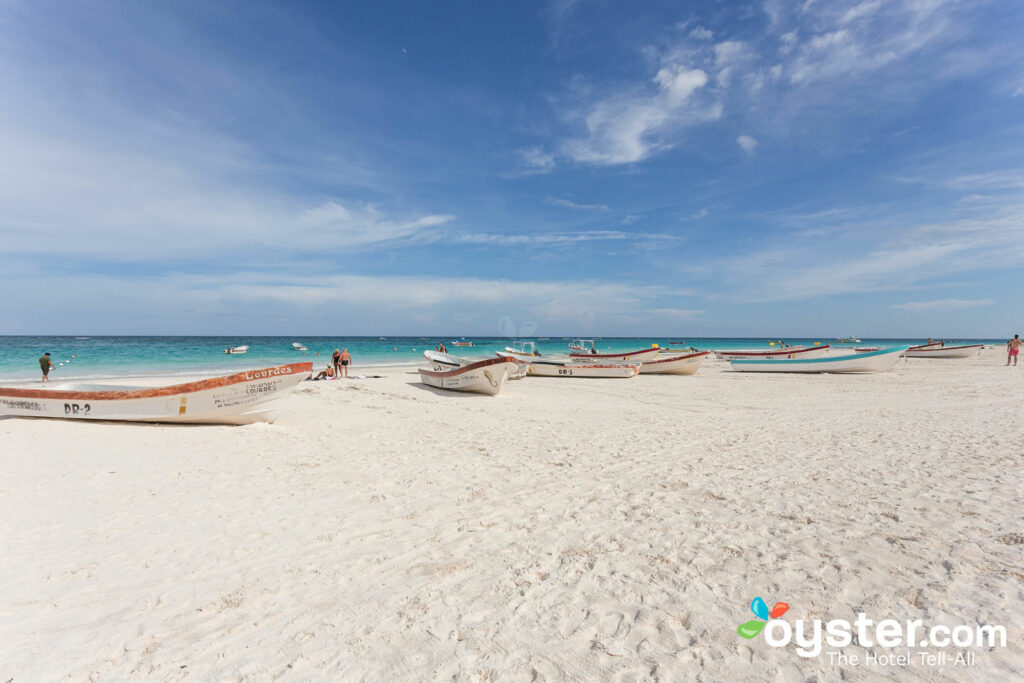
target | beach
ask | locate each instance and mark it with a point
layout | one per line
(564, 530)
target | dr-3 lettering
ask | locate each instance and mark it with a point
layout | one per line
(564, 371)
(76, 408)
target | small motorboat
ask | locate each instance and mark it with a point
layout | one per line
(236, 350)
(848, 340)
(555, 368)
(241, 398)
(299, 346)
(791, 353)
(484, 377)
(583, 350)
(462, 343)
(873, 361)
(524, 348)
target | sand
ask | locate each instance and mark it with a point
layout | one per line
(564, 530)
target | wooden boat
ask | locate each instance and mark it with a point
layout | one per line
(554, 368)
(236, 350)
(235, 399)
(791, 353)
(485, 376)
(676, 365)
(874, 361)
(966, 351)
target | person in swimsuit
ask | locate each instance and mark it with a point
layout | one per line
(46, 364)
(346, 360)
(1013, 349)
(336, 361)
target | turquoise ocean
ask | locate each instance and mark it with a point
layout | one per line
(80, 357)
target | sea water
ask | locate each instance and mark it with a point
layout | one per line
(81, 357)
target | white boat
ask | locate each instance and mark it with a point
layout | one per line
(524, 348)
(584, 350)
(967, 351)
(236, 350)
(676, 365)
(444, 361)
(874, 361)
(848, 340)
(235, 399)
(299, 347)
(790, 353)
(484, 376)
(929, 345)
(554, 368)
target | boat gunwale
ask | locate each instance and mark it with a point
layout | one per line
(833, 359)
(465, 368)
(781, 352)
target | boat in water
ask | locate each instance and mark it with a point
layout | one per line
(236, 350)
(687, 364)
(298, 346)
(240, 398)
(967, 351)
(462, 343)
(848, 340)
(874, 361)
(485, 376)
(583, 350)
(789, 353)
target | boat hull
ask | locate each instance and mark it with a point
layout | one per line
(874, 361)
(947, 351)
(555, 369)
(483, 377)
(641, 355)
(241, 398)
(677, 365)
(792, 353)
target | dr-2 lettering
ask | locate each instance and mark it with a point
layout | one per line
(76, 409)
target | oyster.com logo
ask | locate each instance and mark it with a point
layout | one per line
(751, 628)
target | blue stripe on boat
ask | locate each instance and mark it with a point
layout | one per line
(808, 361)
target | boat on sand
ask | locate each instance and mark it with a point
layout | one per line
(485, 376)
(874, 361)
(585, 351)
(676, 365)
(967, 351)
(240, 398)
(791, 353)
(560, 368)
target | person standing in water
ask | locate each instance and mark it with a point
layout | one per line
(46, 365)
(346, 360)
(1013, 349)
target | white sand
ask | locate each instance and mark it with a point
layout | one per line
(565, 530)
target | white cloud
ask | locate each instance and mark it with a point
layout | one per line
(537, 160)
(556, 237)
(942, 304)
(701, 33)
(569, 204)
(748, 143)
(629, 126)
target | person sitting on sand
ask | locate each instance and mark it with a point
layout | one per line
(1013, 349)
(326, 373)
(346, 360)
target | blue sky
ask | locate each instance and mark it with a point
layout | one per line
(588, 167)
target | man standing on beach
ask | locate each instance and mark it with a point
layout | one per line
(336, 361)
(1013, 349)
(45, 363)
(346, 360)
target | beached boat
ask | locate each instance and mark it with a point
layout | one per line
(867, 349)
(236, 350)
(875, 361)
(584, 350)
(676, 365)
(554, 368)
(299, 346)
(790, 353)
(240, 398)
(967, 351)
(484, 376)
(929, 345)
(446, 361)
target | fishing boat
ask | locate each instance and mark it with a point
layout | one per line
(554, 368)
(444, 361)
(791, 353)
(236, 350)
(524, 349)
(484, 376)
(967, 351)
(676, 365)
(240, 398)
(874, 361)
(929, 345)
(462, 343)
(584, 350)
(298, 346)
(848, 340)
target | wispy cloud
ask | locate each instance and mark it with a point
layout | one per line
(942, 304)
(569, 204)
(556, 237)
(748, 143)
